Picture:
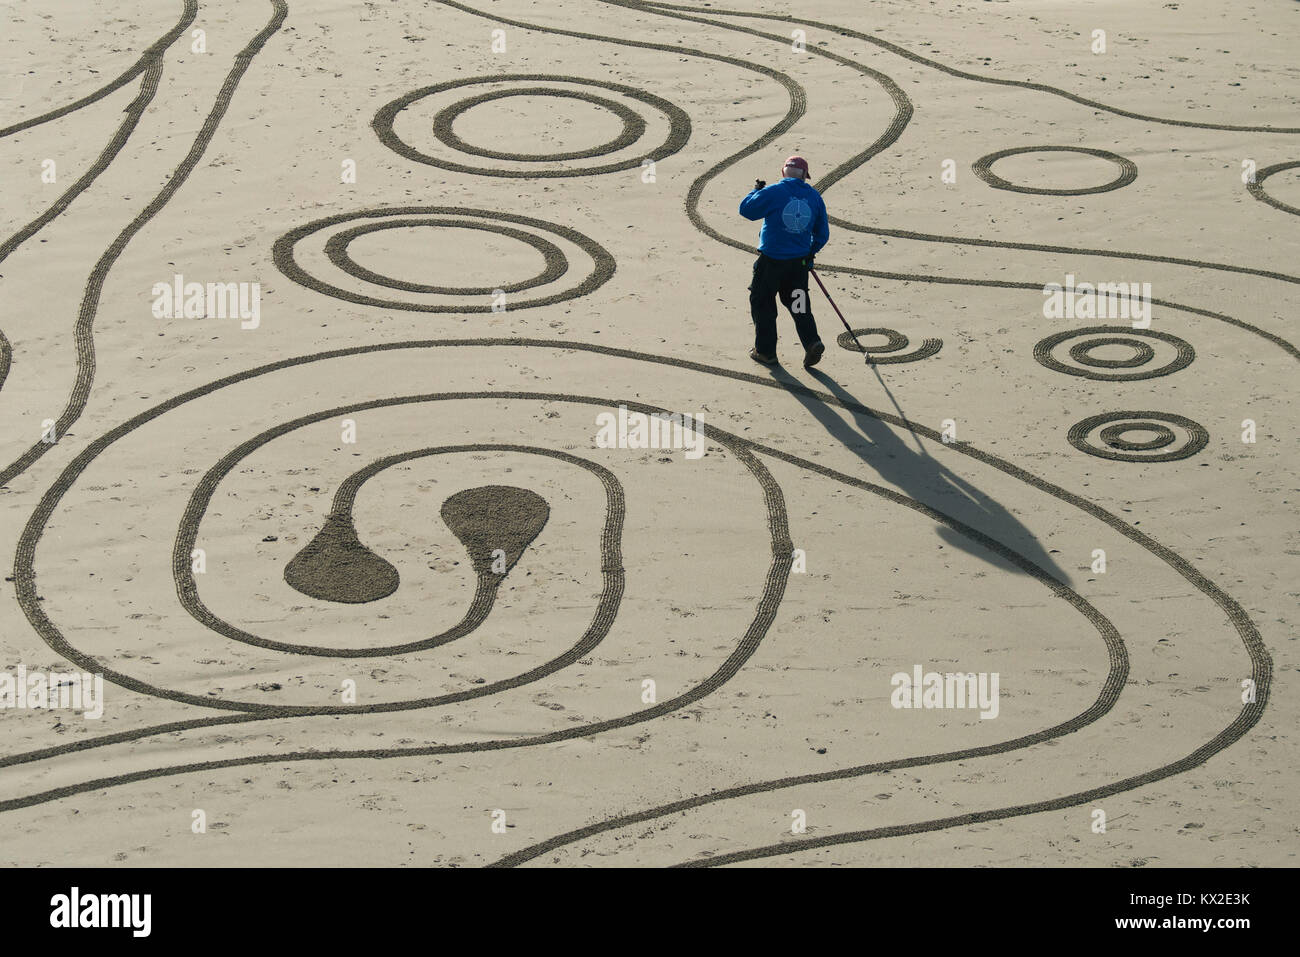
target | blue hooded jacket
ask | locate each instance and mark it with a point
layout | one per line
(794, 218)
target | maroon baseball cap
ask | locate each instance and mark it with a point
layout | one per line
(797, 161)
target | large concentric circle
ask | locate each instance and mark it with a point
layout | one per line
(328, 266)
(983, 169)
(676, 123)
(893, 348)
(1110, 442)
(1091, 339)
(1257, 190)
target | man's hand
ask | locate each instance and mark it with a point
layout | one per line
(808, 260)
(759, 184)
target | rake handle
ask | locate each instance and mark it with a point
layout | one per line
(837, 311)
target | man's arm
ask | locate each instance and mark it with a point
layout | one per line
(821, 231)
(755, 205)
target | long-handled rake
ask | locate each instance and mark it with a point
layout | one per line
(841, 315)
(867, 355)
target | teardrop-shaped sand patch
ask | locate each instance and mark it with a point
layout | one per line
(335, 566)
(493, 517)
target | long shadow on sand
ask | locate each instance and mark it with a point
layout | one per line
(917, 474)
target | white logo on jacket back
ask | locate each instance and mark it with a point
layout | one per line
(797, 215)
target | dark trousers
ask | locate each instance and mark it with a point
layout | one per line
(787, 278)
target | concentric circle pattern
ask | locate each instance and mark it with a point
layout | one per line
(983, 168)
(1179, 353)
(333, 263)
(675, 120)
(1111, 427)
(892, 350)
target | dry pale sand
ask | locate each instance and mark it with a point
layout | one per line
(378, 383)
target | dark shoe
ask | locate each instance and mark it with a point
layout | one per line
(813, 355)
(759, 357)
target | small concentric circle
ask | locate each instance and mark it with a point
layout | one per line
(1111, 427)
(1081, 352)
(892, 350)
(1093, 338)
(1113, 436)
(333, 254)
(1257, 190)
(634, 126)
(982, 168)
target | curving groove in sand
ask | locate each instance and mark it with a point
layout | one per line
(340, 568)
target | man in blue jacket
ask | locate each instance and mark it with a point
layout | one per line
(794, 229)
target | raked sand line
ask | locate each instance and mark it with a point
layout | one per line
(83, 334)
(652, 6)
(148, 88)
(150, 64)
(152, 55)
